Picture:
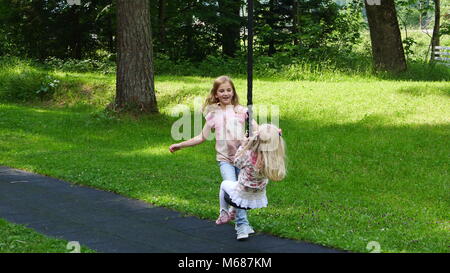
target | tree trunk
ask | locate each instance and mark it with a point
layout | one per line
(230, 31)
(435, 41)
(387, 47)
(135, 91)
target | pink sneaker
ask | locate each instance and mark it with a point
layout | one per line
(224, 218)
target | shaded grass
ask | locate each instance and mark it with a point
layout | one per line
(20, 239)
(368, 160)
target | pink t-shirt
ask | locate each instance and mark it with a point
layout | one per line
(229, 127)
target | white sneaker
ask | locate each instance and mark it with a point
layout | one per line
(243, 231)
(249, 229)
(241, 234)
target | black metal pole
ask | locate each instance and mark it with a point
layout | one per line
(250, 66)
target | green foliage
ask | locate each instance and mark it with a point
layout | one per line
(323, 29)
(42, 28)
(27, 80)
(408, 43)
(20, 81)
(445, 29)
(189, 29)
(415, 13)
(104, 66)
(347, 33)
(283, 66)
(48, 86)
(182, 30)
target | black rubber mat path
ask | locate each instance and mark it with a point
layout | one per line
(107, 222)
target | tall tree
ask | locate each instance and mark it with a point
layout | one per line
(135, 90)
(387, 47)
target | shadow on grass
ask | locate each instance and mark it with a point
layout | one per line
(424, 90)
(419, 71)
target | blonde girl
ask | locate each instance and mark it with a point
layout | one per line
(260, 159)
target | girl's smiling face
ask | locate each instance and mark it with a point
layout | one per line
(225, 93)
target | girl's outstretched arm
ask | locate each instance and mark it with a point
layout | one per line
(193, 141)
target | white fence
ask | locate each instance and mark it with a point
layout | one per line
(442, 54)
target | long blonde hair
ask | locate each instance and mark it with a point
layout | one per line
(271, 151)
(211, 99)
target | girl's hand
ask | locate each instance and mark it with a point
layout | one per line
(174, 147)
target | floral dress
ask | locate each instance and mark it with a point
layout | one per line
(250, 191)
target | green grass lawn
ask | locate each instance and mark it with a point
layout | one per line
(368, 158)
(19, 239)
